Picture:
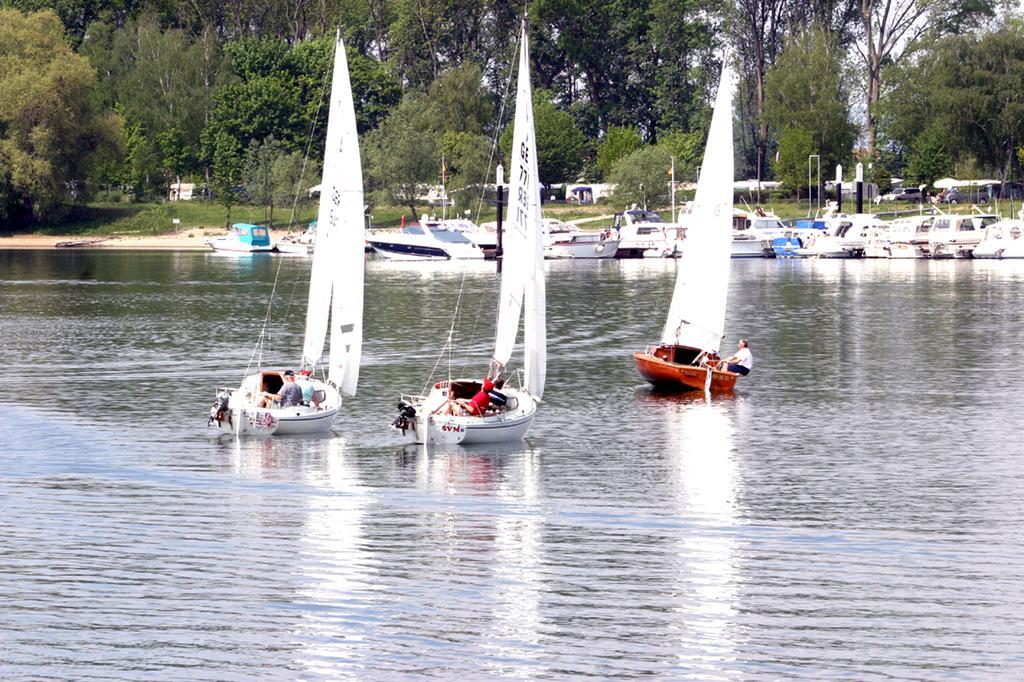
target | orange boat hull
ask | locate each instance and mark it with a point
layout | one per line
(670, 375)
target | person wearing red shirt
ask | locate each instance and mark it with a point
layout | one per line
(479, 403)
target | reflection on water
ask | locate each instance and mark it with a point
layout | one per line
(706, 497)
(852, 511)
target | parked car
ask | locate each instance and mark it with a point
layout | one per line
(954, 196)
(910, 194)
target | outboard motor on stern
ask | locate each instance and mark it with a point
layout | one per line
(406, 416)
(219, 409)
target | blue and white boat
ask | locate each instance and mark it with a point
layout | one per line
(417, 242)
(243, 238)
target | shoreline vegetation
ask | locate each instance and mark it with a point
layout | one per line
(152, 226)
(143, 102)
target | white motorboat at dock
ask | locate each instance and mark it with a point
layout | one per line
(644, 234)
(1002, 240)
(418, 242)
(845, 236)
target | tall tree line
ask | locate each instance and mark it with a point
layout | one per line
(208, 90)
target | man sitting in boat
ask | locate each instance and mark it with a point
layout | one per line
(740, 363)
(289, 395)
(478, 404)
(305, 382)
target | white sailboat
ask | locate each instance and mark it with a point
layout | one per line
(696, 319)
(447, 414)
(335, 295)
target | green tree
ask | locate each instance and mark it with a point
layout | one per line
(795, 145)
(617, 143)
(52, 130)
(258, 173)
(562, 149)
(401, 157)
(930, 158)
(891, 29)
(982, 97)
(226, 157)
(162, 81)
(688, 150)
(807, 91)
(640, 178)
(466, 157)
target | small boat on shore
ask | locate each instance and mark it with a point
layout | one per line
(243, 238)
(688, 353)
(298, 244)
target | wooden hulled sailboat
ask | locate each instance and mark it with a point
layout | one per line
(696, 320)
(335, 295)
(441, 415)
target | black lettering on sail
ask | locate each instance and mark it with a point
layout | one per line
(335, 196)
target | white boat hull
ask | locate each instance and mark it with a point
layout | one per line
(244, 416)
(235, 246)
(905, 250)
(582, 249)
(432, 426)
(294, 248)
(747, 248)
(1014, 250)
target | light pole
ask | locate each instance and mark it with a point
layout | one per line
(817, 160)
(500, 192)
(839, 188)
(859, 185)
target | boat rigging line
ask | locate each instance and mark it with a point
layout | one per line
(261, 341)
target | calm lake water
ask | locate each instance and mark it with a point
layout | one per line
(853, 511)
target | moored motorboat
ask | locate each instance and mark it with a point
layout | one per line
(582, 245)
(908, 237)
(485, 239)
(686, 358)
(1001, 237)
(955, 235)
(644, 234)
(845, 236)
(243, 238)
(754, 233)
(417, 242)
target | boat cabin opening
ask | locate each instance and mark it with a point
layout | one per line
(271, 382)
(679, 355)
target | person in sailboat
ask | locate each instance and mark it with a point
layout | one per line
(289, 395)
(741, 362)
(305, 382)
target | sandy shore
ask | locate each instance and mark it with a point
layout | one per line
(189, 240)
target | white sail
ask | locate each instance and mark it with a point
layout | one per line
(523, 218)
(336, 279)
(696, 317)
